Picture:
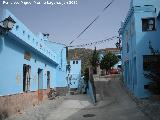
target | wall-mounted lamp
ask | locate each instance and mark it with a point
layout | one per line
(45, 35)
(8, 24)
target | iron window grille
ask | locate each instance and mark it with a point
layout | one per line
(148, 24)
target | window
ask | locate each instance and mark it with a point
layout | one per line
(28, 36)
(119, 66)
(17, 27)
(73, 62)
(23, 32)
(76, 62)
(148, 24)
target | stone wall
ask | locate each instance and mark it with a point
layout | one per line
(61, 91)
(11, 104)
(107, 77)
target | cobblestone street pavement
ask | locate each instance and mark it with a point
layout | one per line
(113, 104)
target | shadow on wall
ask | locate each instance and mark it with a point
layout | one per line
(3, 114)
(1, 44)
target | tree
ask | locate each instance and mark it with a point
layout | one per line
(108, 61)
(95, 60)
(86, 75)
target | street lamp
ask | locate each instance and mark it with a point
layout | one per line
(8, 24)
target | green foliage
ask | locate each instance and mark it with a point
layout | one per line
(95, 58)
(88, 57)
(86, 74)
(108, 61)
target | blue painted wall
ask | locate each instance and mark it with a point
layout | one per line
(90, 92)
(60, 50)
(138, 44)
(12, 49)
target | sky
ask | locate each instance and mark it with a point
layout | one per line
(65, 22)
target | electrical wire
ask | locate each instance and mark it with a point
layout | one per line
(81, 33)
(96, 42)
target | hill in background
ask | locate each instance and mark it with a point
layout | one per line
(83, 54)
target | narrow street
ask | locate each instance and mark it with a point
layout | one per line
(78, 60)
(113, 104)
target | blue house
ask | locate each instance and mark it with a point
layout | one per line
(29, 65)
(140, 29)
(75, 73)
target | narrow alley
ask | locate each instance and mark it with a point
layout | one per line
(113, 103)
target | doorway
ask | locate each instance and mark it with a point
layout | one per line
(40, 84)
(26, 77)
(48, 79)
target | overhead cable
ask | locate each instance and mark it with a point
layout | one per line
(81, 33)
